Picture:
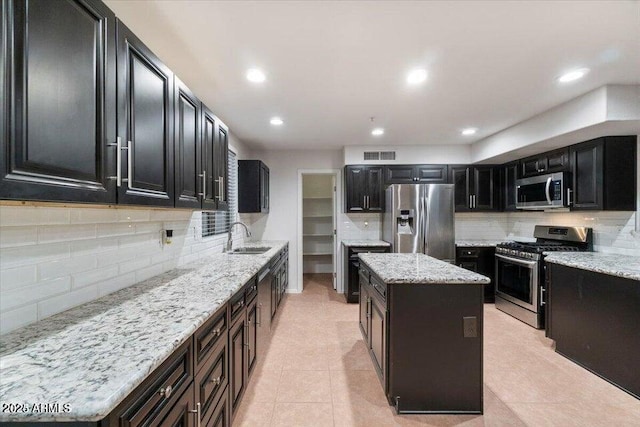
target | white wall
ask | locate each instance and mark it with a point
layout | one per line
(281, 222)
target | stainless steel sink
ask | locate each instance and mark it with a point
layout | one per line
(249, 251)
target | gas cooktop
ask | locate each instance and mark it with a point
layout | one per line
(549, 239)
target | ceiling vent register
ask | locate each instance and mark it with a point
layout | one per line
(379, 155)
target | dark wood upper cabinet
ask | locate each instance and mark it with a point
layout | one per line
(188, 147)
(145, 123)
(549, 162)
(253, 186)
(57, 114)
(415, 174)
(604, 174)
(364, 188)
(509, 176)
(215, 145)
(221, 166)
(476, 188)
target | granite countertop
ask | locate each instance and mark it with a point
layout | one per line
(363, 242)
(626, 266)
(94, 355)
(419, 269)
(479, 243)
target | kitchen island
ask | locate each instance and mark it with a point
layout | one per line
(593, 313)
(422, 321)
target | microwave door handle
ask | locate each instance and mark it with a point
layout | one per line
(528, 264)
(546, 190)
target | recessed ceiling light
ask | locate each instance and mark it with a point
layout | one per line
(276, 121)
(377, 132)
(417, 76)
(573, 75)
(255, 75)
(469, 131)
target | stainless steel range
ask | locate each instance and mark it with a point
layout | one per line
(520, 283)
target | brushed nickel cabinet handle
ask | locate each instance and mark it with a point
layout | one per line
(196, 412)
(165, 392)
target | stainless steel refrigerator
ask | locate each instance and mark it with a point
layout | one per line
(419, 218)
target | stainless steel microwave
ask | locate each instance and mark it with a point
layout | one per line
(543, 192)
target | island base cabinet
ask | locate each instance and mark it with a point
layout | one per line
(594, 320)
(432, 367)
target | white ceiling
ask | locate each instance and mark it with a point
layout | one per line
(332, 65)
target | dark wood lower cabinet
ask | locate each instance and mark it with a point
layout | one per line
(252, 336)
(482, 261)
(238, 361)
(594, 318)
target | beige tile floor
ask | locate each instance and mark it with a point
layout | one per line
(317, 372)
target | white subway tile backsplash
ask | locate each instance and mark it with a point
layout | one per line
(34, 254)
(134, 265)
(16, 318)
(52, 258)
(16, 277)
(29, 215)
(117, 229)
(116, 283)
(90, 277)
(34, 293)
(66, 267)
(65, 233)
(63, 302)
(18, 236)
(93, 216)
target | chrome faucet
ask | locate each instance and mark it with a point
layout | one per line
(229, 237)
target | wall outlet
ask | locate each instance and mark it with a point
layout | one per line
(470, 326)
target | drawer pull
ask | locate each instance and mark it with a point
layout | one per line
(196, 412)
(216, 381)
(166, 392)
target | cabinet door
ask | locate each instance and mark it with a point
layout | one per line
(377, 332)
(252, 336)
(509, 186)
(211, 188)
(356, 187)
(459, 175)
(57, 101)
(431, 174)
(264, 187)
(529, 167)
(145, 123)
(220, 168)
(399, 174)
(221, 417)
(188, 153)
(375, 189)
(484, 185)
(237, 361)
(586, 166)
(558, 161)
(364, 310)
(183, 413)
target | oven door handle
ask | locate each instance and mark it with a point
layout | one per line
(546, 190)
(528, 264)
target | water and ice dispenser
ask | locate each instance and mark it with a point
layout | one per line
(405, 221)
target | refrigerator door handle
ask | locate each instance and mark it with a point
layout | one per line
(425, 224)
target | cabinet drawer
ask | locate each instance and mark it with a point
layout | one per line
(149, 404)
(251, 292)
(380, 287)
(237, 304)
(212, 380)
(468, 252)
(209, 334)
